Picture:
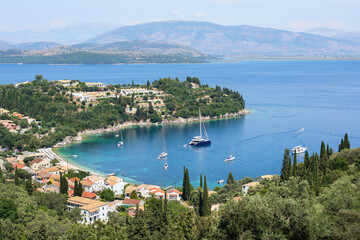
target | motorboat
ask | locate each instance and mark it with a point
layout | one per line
(299, 149)
(163, 155)
(121, 143)
(166, 166)
(220, 181)
(230, 158)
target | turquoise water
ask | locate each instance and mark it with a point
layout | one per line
(320, 96)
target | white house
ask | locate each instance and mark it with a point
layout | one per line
(156, 192)
(91, 210)
(245, 187)
(94, 84)
(98, 182)
(144, 190)
(116, 184)
(174, 194)
(88, 185)
(39, 163)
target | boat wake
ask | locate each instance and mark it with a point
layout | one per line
(300, 130)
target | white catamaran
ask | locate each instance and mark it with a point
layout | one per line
(200, 141)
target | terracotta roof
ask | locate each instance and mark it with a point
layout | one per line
(18, 165)
(36, 160)
(43, 175)
(84, 194)
(55, 177)
(112, 183)
(174, 191)
(87, 183)
(131, 188)
(128, 201)
(87, 204)
(73, 179)
(51, 169)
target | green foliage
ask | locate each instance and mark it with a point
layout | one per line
(8, 209)
(230, 179)
(78, 189)
(286, 169)
(345, 143)
(108, 195)
(16, 180)
(186, 185)
(64, 185)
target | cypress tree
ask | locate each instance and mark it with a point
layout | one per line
(17, 181)
(341, 146)
(328, 150)
(324, 163)
(346, 142)
(63, 184)
(29, 187)
(1, 176)
(187, 184)
(201, 183)
(184, 189)
(205, 204)
(80, 189)
(286, 166)
(294, 168)
(201, 202)
(230, 179)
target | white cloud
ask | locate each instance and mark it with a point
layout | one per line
(302, 25)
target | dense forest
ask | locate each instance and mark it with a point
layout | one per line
(321, 201)
(59, 114)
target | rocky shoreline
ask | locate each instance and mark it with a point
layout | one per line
(68, 140)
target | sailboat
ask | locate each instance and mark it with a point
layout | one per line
(121, 143)
(231, 157)
(200, 141)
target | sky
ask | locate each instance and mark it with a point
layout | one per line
(294, 15)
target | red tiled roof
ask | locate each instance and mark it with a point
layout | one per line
(128, 201)
(18, 165)
(175, 191)
(73, 179)
(36, 160)
(84, 194)
(87, 183)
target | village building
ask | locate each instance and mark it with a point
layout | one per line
(52, 170)
(89, 195)
(156, 192)
(98, 182)
(245, 187)
(116, 184)
(88, 185)
(51, 188)
(4, 111)
(174, 194)
(39, 163)
(95, 84)
(91, 210)
(127, 202)
(42, 177)
(10, 125)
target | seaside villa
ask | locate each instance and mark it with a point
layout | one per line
(246, 187)
(91, 210)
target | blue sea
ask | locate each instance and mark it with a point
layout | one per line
(322, 97)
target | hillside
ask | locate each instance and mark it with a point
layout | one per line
(36, 45)
(4, 45)
(114, 53)
(233, 40)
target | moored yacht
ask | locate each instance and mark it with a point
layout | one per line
(299, 149)
(200, 141)
(166, 166)
(121, 143)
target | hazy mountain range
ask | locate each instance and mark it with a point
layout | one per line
(188, 39)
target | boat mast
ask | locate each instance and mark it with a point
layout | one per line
(200, 124)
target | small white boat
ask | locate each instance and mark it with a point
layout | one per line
(74, 156)
(162, 155)
(166, 166)
(299, 149)
(185, 145)
(220, 181)
(230, 158)
(117, 135)
(120, 144)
